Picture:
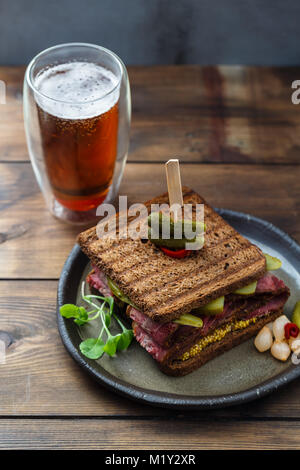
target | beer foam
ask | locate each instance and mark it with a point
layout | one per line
(76, 90)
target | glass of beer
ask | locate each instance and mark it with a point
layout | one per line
(77, 119)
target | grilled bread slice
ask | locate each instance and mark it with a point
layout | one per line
(164, 288)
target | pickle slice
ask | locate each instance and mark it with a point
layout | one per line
(168, 243)
(247, 290)
(117, 292)
(160, 222)
(272, 262)
(296, 314)
(175, 243)
(157, 221)
(190, 320)
(193, 225)
(215, 307)
(198, 243)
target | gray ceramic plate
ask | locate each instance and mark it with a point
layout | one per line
(237, 376)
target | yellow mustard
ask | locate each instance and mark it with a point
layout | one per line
(217, 335)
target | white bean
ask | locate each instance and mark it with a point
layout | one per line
(294, 343)
(264, 339)
(297, 352)
(280, 350)
(278, 327)
(270, 326)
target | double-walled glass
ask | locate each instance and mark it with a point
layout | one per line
(77, 118)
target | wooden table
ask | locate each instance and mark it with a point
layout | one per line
(238, 136)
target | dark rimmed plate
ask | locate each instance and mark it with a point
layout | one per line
(238, 376)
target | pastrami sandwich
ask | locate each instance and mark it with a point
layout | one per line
(187, 311)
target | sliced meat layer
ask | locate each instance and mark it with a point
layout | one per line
(163, 340)
(160, 332)
(273, 304)
(269, 283)
(163, 354)
(147, 342)
(98, 280)
(239, 307)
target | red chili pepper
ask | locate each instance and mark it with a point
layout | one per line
(291, 330)
(176, 254)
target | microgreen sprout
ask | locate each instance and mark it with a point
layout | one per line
(94, 348)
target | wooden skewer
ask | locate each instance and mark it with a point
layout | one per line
(174, 185)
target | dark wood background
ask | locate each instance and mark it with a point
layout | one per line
(238, 137)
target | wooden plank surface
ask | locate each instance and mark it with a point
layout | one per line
(35, 245)
(208, 114)
(12, 135)
(241, 134)
(132, 434)
(39, 377)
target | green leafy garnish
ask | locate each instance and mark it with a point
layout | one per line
(125, 340)
(125, 337)
(94, 348)
(72, 311)
(111, 345)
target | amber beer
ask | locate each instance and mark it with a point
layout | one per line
(79, 131)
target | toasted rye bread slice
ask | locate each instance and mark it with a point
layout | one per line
(164, 288)
(234, 338)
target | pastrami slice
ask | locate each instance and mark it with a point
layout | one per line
(272, 305)
(160, 332)
(147, 342)
(269, 283)
(98, 280)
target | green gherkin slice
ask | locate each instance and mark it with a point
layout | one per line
(215, 307)
(160, 222)
(174, 243)
(272, 262)
(117, 292)
(296, 314)
(247, 290)
(190, 320)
